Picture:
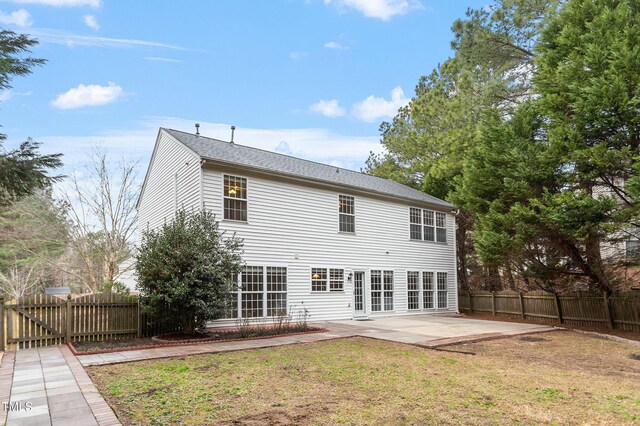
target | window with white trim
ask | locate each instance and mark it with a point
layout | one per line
(260, 291)
(442, 290)
(235, 198)
(427, 290)
(376, 291)
(276, 291)
(323, 279)
(422, 293)
(381, 291)
(427, 225)
(347, 213)
(388, 290)
(252, 290)
(413, 290)
(336, 279)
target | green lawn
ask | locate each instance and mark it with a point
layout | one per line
(568, 378)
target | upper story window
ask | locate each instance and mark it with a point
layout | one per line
(235, 198)
(347, 213)
(427, 225)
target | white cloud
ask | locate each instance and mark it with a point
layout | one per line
(335, 45)
(283, 148)
(330, 108)
(62, 3)
(298, 55)
(20, 18)
(88, 95)
(46, 35)
(160, 59)
(5, 95)
(374, 108)
(91, 22)
(379, 9)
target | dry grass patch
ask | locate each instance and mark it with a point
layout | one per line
(567, 378)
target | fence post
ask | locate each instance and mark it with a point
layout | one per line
(521, 305)
(493, 303)
(470, 302)
(558, 308)
(69, 319)
(2, 346)
(139, 319)
(607, 310)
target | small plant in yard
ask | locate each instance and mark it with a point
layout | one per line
(185, 270)
(282, 321)
(303, 318)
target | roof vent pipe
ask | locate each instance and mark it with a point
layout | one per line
(233, 129)
(197, 129)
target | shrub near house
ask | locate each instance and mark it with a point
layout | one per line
(185, 268)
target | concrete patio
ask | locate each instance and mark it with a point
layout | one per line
(428, 331)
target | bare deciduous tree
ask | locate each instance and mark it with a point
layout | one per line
(101, 209)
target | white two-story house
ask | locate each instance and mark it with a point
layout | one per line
(339, 243)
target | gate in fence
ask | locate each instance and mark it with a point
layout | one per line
(35, 320)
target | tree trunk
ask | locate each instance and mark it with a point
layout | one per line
(462, 250)
(597, 272)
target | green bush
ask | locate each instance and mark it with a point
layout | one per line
(185, 270)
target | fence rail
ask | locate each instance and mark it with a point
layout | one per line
(41, 320)
(581, 309)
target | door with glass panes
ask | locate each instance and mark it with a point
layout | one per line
(359, 294)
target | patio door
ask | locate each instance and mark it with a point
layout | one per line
(359, 295)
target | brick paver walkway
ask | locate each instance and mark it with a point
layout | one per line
(48, 386)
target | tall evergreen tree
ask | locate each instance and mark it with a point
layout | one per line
(22, 170)
(562, 171)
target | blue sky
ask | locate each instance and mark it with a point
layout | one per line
(309, 78)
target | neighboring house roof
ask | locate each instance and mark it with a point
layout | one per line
(272, 162)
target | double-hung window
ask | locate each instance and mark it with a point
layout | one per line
(381, 291)
(427, 225)
(259, 291)
(323, 279)
(347, 213)
(442, 290)
(426, 290)
(235, 198)
(413, 290)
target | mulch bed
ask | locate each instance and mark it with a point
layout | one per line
(178, 339)
(613, 332)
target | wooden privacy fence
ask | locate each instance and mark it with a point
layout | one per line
(584, 309)
(41, 320)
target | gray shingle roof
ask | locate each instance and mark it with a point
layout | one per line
(217, 150)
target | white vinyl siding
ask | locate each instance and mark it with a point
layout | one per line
(172, 183)
(295, 225)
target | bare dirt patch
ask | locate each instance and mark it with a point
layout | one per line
(568, 378)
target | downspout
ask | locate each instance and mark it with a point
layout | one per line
(202, 163)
